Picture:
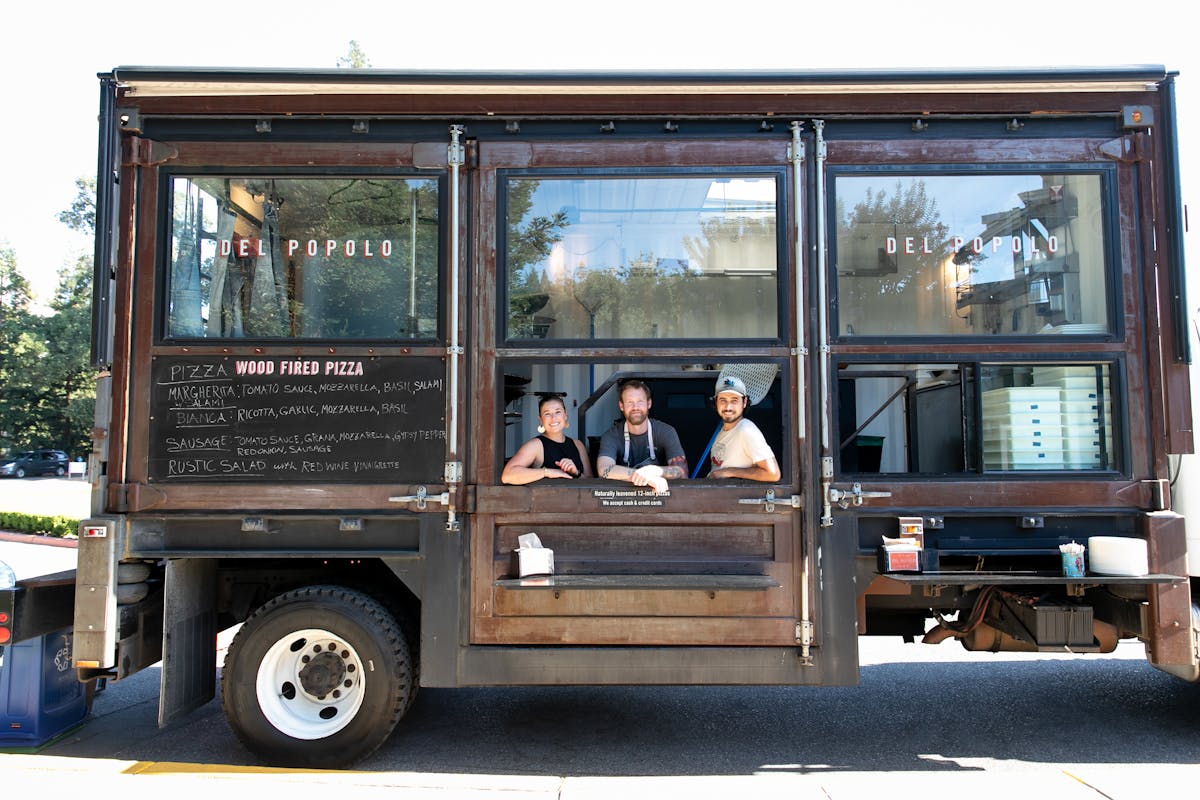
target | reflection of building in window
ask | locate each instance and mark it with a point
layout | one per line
(971, 254)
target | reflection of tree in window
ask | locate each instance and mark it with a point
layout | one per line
(637, 259)
(250, 257)
(884, 222)
(343, 296)
(528, 243)
(595, 289)
(187, 283)
(893, 246)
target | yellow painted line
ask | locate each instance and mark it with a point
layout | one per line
(185, 768)
(1085, 783)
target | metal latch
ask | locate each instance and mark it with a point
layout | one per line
(421, 498)
(769, 501)
(855, 496)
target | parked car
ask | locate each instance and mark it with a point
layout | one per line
(35, 462)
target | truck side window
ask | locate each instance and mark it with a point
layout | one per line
(996, 254)
(611, 257)
(274, 257)
(969, 417)
(682, 396)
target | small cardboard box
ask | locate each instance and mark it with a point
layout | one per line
(899, 558)
(532, 557)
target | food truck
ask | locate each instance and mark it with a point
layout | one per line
(328, 303)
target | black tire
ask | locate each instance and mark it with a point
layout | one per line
(286, 670)
(59, 471)
(20, 472)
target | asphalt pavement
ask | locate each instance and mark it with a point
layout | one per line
(925, 720)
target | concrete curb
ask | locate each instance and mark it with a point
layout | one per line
(33, 538)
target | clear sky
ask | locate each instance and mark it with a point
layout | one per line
(52, 53)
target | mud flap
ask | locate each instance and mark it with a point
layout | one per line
(1169, 629)
(189, 666)
(95, 593)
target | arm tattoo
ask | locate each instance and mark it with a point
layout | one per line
(676, 468)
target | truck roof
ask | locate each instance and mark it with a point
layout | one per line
(150, 81)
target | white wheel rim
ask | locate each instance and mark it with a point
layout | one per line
(293, 674)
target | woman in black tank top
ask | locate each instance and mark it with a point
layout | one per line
(553, 454)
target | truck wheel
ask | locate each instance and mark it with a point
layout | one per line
(317, 677)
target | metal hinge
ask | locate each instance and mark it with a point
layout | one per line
(455, 154)
(804, 636)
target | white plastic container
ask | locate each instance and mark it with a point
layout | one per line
(1022, 437)
(1045, 376)
(1032, 395)
(1118, 555)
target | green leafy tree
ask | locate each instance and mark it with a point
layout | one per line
(68, 380)
(529, 240)
(355, 58)
(68, 372)
(81, 215)
(19, 353)
(908, 211)
(48, 397)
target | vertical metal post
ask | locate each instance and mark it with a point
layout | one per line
(821, 260)
(804, 628)
(108, 167)
(797, 153)
(455, 159)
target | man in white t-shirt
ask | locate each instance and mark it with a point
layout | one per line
(740, 450)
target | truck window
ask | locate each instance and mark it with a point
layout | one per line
(647, 257)
(996, 254)
(274, 257)
(682, 396)
(973, 417)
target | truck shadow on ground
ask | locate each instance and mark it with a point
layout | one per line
(935, 716)
(930, 716)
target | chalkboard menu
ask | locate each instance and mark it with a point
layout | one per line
(232, 418)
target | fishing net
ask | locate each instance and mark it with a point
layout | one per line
(757, 377)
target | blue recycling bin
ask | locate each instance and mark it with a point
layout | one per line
(40, 697)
